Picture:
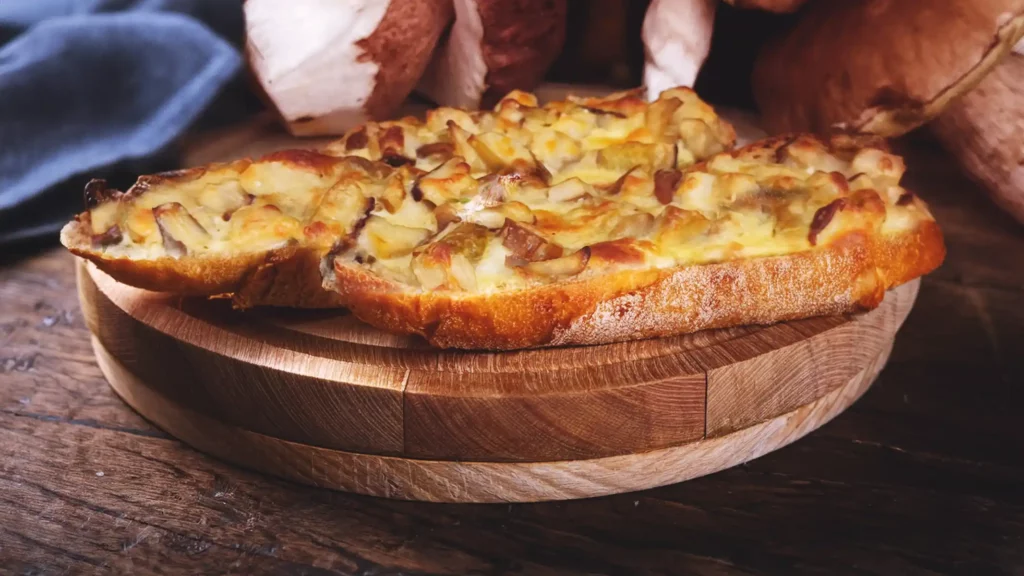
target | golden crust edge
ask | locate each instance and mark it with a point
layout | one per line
(288, 276)
(850, 274)
(603, 309)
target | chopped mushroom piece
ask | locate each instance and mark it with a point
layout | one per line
(570, 265)
(180, 231)
(526, 244)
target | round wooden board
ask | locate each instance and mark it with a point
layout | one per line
(320, 398)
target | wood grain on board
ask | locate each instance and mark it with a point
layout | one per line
(452, 481)
(189, 353)
(330, 389)
(749, 391)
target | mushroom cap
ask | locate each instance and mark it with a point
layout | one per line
(984, 131)
(327, 65)
(880, 66)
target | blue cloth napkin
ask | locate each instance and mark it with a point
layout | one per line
(99, 88)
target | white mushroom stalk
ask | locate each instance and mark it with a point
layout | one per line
(457, 75)
(677, 39)
(495, 46)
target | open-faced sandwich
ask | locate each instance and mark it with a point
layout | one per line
(578, 222)
(258, 229)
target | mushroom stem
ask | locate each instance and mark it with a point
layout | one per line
(677, 39)
(495, 46)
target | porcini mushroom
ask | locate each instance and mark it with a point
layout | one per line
(495, 46)
(984, 131)
(327, 65)
(880, 66)
(677, 39)
(779, 6)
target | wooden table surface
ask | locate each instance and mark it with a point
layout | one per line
(924, 475)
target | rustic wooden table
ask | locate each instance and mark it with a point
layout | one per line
(924, 475)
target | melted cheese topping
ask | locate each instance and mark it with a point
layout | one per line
(557, 136)
(522, 196)
(778, 198)
(317, 199)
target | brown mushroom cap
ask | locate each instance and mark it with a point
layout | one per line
(326, 66)
(984, 131)
(880, 66)
(779, 6)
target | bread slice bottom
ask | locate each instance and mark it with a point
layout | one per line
(849, 274)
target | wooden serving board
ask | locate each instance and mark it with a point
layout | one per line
(321, 398)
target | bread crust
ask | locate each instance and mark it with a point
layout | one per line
(850, 274)
(288, 276)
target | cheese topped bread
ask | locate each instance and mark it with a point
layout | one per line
(785, 228)
(257, 229)
(501, 232)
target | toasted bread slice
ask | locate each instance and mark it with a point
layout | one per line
(786, 228)
(257, 230)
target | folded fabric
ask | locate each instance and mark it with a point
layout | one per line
(93, 86)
